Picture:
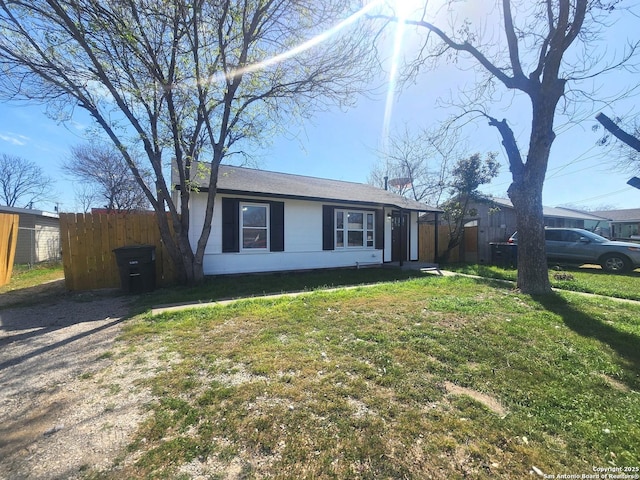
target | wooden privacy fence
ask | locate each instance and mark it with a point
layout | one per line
(427, 250)
(88, 240)
(8, 241)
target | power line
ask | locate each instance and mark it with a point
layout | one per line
(604, 195)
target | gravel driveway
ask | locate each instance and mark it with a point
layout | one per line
(70, 399)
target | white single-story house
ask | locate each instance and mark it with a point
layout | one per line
(267, 221)
(38, 235)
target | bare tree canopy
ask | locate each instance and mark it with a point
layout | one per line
(22, 182)
(182, 80)
(417, 165)
(536, 53)
(105, 177)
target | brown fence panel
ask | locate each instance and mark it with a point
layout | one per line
(8, 241)
(428, 244)
(88, 241)
(470, 248)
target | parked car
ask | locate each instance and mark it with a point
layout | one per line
(575, 245)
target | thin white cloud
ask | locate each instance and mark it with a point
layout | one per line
(14, 138)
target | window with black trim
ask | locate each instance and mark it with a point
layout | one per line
(354, 229)
(254, 226)
(250, 225)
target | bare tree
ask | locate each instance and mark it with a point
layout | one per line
(100, 168)
(85, 196)
(182, 80)
(529, 57)
(22, 182)
(416, 165)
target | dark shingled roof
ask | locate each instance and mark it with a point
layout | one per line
(249, 181)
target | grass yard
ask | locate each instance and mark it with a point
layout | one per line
(588, 279)
(29, 285)
(242, 286)
(431, 377)
(25, 277)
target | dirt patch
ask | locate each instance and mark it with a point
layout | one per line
(69, 399)
(613, 383)
(487, 400)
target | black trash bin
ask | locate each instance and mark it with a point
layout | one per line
(137, 265)
(504, 254)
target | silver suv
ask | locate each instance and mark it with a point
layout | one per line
(574, 245)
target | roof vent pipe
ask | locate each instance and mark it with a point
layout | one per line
(386, 182)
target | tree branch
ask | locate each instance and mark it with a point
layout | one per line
(512, 40)
(516, 165)
(519, 82)
(618, 132)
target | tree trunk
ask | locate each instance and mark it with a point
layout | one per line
(178, 247)
(533, 274)
(526, 195)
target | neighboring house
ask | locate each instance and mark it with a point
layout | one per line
(266, 221)
(623, 224)
(496, 221)
(38, 235)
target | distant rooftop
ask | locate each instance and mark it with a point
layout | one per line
(28, 211)
(626, 215)
(557, 212)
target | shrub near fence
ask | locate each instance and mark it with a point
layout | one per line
(8, 241)
(88, 241)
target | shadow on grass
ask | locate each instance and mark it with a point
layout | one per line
(623, 343)
(51, 290)
(226, 287)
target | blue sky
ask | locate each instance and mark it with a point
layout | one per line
(342, 144)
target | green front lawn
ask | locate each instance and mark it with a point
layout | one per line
(431, 377)
(589, 279)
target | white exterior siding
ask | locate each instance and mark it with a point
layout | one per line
(303, 242)
(413, 236)
(215, 264)
(302, 226)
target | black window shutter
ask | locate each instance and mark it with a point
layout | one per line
(379, 226)
(328, 230)
(230, 225)
(276, 227)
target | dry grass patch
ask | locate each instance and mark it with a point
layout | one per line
(487, 400)
(410, 380)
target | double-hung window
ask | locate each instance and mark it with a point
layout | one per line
(354, 229)
(254, 226)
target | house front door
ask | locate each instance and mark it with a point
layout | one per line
(399, 236)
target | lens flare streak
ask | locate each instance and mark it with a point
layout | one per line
(317, 40)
